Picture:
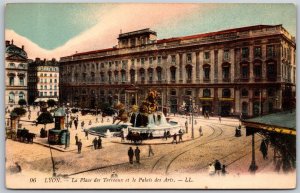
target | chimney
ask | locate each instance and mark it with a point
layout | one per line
(22, 47)
(37, 59)
(7, 43)
(12, 42)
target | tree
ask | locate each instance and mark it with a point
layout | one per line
(51, 103)
(19, 111)
(45, 118)
(22, 102)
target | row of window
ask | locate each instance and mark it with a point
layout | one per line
(45, 87)
(45, 75)
(245, 73)
(41, 94)
(245, 54)
(45, 80)
(226, 93)
(12, 81)
(43, 68)
(13, 65)
(11, 97)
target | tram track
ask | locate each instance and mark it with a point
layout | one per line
(169, 162)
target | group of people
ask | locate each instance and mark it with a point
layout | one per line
(216, 168)
(97, 143)
(135, 153)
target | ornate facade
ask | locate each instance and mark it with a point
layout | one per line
(249, 70)
(16, 64)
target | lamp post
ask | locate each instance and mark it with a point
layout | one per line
(67, 133)
(253, 167)
(192, 112)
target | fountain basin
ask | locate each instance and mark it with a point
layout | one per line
(107, 130)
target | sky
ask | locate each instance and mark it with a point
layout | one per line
(56, 30)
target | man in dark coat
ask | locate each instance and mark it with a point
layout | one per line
(130, 155)
(95, 143)
(218, 167)
(264, 149)
(99, 143)
(79, 145)
(180, 136)
(86, 133)
(76, 123)
(76, 139)
(174, 138)
(165, 135)
(137, 154)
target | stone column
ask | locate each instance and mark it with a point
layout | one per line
(251, 57)
(180, 68)
(201, 62)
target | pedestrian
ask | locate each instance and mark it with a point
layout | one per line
(29, 116)
(97, 120)
(130, 155)
(211, 169)
(218, 167)
(122, 136)
(150, 151)
(224, 172)
(102, 120)
(186, 127)
(99, 143)
(95, 143)
(165, 135)
(90, 123)
(180, 133)
(71, 122)
(19, 169)
(264, 149)
(174, 138)
(82, 124)
(195, 122)
(137, 154)
(86, 133)
(200, 131)
(220, 119)
(76, 139)
(107, 119)
(79, 146)
(76, 123)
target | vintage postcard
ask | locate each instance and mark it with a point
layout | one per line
(150, 96)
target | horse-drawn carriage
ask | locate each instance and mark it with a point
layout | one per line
(137, 137)
(23, 135)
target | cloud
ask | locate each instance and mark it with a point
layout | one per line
(127, 17)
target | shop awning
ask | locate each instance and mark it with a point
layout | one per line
(45, 99)
(282, 122)
(226, 99)
(206, 98)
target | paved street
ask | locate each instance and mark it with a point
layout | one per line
(189, 156)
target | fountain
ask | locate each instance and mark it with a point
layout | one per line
(143, 120)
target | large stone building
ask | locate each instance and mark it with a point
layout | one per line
(43, 80)
(249, 70)
(16, 63)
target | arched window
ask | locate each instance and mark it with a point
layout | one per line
(245, 108)
(11, 80)
(21, 79)
(206, 71)
(142, 74)
(206, 93)
(11, 65)
(21, 95)
(173, 73)
(132, 76)
(225, 71)
(158, 71)
(257, 70)
(226, 93)
(189, 70)
(150, 73)
(245, 70)
(11, 97)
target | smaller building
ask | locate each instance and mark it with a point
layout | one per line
(43, 81)
(16, 62)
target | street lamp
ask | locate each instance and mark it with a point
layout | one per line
(67, 133)
(192, 112)
(253, 167)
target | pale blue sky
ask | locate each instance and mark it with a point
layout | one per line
(52, 25)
